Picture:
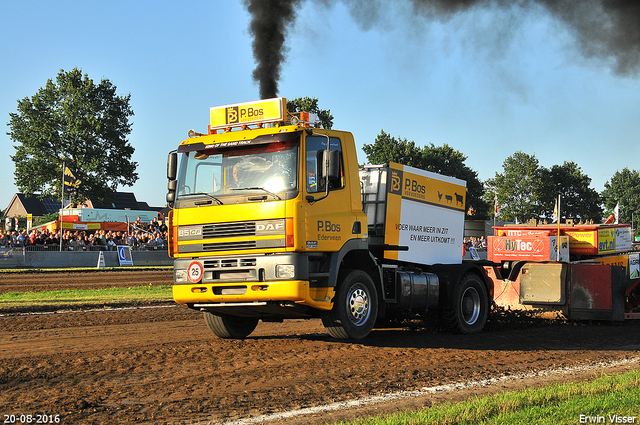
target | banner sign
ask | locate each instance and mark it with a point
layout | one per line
(124, 255)
(534, 248)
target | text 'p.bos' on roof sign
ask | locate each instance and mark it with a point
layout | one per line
(261, 111)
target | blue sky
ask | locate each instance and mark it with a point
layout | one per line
(486, 82)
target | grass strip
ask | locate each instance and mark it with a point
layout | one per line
(608, 399)
(85, 296)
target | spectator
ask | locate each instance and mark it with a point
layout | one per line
(52, 240)
(130, 240)
(111, 245)
(159, 241)
(92, 241)
(39, 241)
(101, 238)
(20, 239)
(12, 238)
(143, 241)
(136, 224)
(66, 238)
(81, 243)
(72, 242)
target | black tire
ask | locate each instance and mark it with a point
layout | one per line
(230, 327)
(355, 307)
(470, 306)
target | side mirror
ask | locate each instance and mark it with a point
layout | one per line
(172, 172)
(332, 157)
(172, 166)
(329, 164)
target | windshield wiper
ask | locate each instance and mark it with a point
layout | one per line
(259, 188)
(205, 194)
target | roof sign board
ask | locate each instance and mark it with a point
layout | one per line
(262, 111)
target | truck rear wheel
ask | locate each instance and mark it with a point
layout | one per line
(470, 306)
(355, 307)
(230, 327)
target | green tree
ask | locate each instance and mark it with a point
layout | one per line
(438, 159)
(386, 148)
(310, 104)
(450, 162)
(577, 199)
(81, 124)
(47, 218)
(623, 188)
(519, 188)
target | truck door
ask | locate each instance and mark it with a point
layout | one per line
(329, 221)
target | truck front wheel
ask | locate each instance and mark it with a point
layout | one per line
(355, 307)
(230, 327)
(470, 306)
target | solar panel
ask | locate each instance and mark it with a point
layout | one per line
(51, 206)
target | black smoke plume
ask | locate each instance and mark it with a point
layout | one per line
(270, 20)
(605, 29)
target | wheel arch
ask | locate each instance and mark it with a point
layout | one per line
(450, 275)
(355, 255)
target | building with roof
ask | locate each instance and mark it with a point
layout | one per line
(121, 201)
(21, 205)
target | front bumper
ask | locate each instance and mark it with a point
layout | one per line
(246, 293)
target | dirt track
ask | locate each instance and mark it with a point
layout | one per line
(162, 365)
(89, 279)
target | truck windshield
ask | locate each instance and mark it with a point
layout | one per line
(268, 171)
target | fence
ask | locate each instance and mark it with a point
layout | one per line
(77, 248)
(50, 256)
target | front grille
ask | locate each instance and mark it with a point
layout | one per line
(225, 230)
(230, 263)
(224, 246)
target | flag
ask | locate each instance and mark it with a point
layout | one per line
(495, 204)
(556, 213)
(70, 181)
(616, 211)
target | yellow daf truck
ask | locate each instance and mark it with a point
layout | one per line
(274, 219)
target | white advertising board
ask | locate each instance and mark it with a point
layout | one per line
(425, 212)
(433, 234)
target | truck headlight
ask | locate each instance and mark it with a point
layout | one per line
(285, 271)
(180, 276)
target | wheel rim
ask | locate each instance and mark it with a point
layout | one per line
(358, 305)
(470, 306)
